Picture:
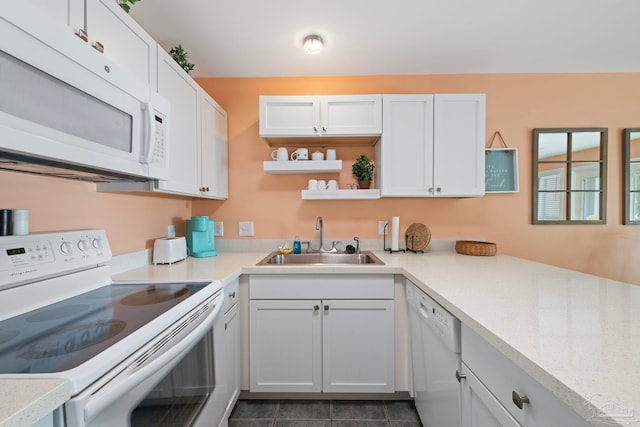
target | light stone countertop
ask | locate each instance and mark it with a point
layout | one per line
(578, 335)
(25, 402)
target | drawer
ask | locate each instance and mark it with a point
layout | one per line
(321, 286)
(503, 378)
(231, 295)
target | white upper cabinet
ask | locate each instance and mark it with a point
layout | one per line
(432, 146)
(123, 41)
(213, 147)
(182, 92)
(313, 116)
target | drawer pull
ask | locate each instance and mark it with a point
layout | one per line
(518, 400)
(326, 308)
(460, 376)
(316, 307)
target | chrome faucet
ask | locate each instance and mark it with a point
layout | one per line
(320, 226)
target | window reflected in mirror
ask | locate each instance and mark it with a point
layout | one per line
(631, 157)
(569, 182)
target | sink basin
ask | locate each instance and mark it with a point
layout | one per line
(321, 258)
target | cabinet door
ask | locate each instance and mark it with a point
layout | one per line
(285, 345)
(63, 12)
(213, 146)
(124, 41)
(351, 115)
(479, 407)
(231, 376)
(182, 92)
(405, 151)
(459, 144)
(358, 346)
(289, 116)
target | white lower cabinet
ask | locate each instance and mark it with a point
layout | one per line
(228, 351)
(329, 333)
(496, 392)
(479, 407)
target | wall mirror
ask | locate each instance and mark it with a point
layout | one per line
(631, 157)
(569, 176)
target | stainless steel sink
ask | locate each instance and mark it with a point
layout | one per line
(321, 258)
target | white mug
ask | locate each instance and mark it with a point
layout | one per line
(300, 154)
(331, 154)
(313, 185)
(322, 185)
(317, 155)
(281, 154)
(332, 185)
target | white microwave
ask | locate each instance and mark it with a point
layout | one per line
(66, 110)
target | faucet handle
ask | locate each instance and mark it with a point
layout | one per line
(357, 239)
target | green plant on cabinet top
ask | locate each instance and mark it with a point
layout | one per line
(181, 57)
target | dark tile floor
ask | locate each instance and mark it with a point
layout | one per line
(324, 413)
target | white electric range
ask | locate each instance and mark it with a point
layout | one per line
(134, 353)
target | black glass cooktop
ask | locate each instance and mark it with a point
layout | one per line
(66, 334)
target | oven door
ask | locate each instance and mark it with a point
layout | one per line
(167, 382)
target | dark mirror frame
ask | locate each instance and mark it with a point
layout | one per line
(626, 187)
(567, 191)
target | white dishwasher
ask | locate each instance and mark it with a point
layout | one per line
(435, 349)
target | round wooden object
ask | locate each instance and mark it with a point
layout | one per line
(417, 237)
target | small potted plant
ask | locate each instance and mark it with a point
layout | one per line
(125, 4)
(362, 169)
(180, 56)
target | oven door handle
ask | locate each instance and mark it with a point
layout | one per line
(132, 375)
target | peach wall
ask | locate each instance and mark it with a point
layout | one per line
(131, 221)
(515, 105)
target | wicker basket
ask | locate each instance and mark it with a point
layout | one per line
(471, 247)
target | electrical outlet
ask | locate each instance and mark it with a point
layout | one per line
(381, 225)
(218, 228)
(245, 228)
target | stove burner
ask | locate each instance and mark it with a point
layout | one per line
(58, 313)
(153, 295)
(72, 338)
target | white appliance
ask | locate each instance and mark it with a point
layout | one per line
(132, 352)
(435, 349)
(67, 111)
(169, 250)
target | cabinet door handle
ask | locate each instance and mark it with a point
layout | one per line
(98, 46)
(316, 307)
(326, 308)
(82, 34)
(232, 295)
(324, 129)
(460, 376)
(431, 190)
(315, 129)
(439, 189)
(518, 400)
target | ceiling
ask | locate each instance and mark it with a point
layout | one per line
(263, 38)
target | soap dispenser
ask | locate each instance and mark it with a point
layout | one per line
(297, 247)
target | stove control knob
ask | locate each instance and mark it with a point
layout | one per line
(97, 243)
(83, 245)
(66, 248)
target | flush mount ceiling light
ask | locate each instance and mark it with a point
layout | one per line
(313, 44)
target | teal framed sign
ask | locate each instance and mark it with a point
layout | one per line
(501, 170)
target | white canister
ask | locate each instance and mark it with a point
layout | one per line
(322, 184)
(332, 185)
(312, 185)
(20, 222)
(317, 155)
(331, 154)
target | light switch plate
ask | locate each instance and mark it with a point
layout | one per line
(218, 228)
(245, 228)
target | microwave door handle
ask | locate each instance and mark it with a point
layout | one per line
(150, 140)
(112, 391)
